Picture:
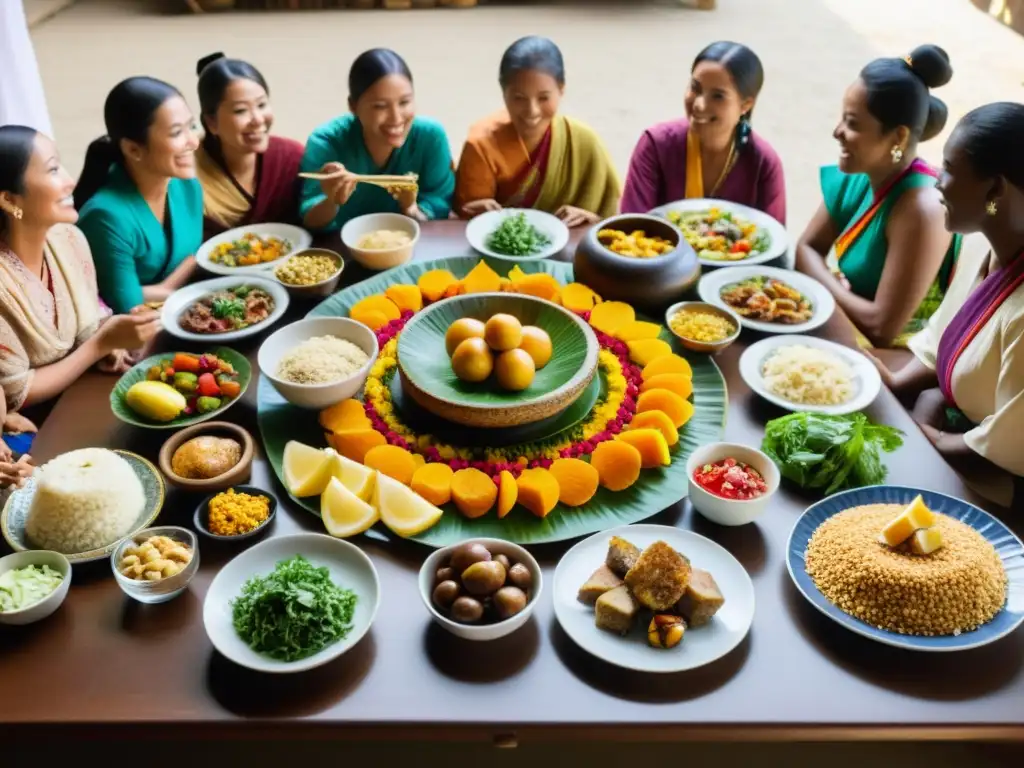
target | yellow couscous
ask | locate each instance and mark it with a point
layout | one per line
(234, 513)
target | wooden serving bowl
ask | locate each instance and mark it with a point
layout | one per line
(427, 376)
(237, 475)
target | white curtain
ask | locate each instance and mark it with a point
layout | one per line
(22, 101)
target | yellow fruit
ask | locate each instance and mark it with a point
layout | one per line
(462, 329)
(508, 491)
(354, 476)
(537, 344)
(503, 332)
(345, 514)
(637, 329)
(155, 400)
(403, 510)
(472, 360)
(667, 364)
(307, 470)
(644, 351)
(514, 370)
(658, 420)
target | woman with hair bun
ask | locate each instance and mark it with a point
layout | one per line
(139, 203)
(878, 242)
(712, 152)
(248, 176)
(968, 364)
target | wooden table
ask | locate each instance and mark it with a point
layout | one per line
(105, 665)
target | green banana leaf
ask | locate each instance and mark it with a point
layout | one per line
(656, 489)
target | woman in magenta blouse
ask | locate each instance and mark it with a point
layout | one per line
(712, 152)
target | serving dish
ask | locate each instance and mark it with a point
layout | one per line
(201, 518)
(184, 298)
(299, 239)
(384, 258)
(42, 608)
(480, 228)
(153, 592)
(237, 474)
(713, 283)
(779, 240)
(320, 289)
(710, 347)
(731, 511)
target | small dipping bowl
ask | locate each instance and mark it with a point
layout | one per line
(481, 632)
(317, 396)
(202, 515)
(380, 258)
(694, 345)
(43, 608)
(165, 589)
(239, 473)
(313, 290)
(731, 511)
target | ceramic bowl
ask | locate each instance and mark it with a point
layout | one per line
(481, 632)
(314, 290)
(201, 519)
(183, 298)
(317, 396)
(239, 473)
(299, 238)
(731, 511)
(649, 283)
(152, 592)
(704, 346)
(372, 222)
(50, 603)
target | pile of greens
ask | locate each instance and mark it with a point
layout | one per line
(294, 612)
(516, 236)
(832, 453)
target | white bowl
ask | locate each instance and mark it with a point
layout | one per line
(183, 298)
(152, 592)
(479, 229)
(317, 396)
(513, 552)
(385, 258)
(731, 511)
(52, 601)
(299, 238)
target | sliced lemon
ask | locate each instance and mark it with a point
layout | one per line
(354, 476)
(307, 470)
(345, 514)
(402, 509)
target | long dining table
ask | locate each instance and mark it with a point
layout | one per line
(104, 665)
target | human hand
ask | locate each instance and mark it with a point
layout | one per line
(341, 184)
(475, 208)
(572, 216)
(14, 474)
(18, 424)
(130, 331)
(119, 361)
(883, 370)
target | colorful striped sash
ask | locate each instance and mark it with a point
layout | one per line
(531, 177)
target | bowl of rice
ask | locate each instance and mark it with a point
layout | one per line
(381, 240)
(702, 327)
(317, 362)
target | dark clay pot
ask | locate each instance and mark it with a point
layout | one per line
(649, 283)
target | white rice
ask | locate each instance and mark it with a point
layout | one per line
(84, 500)
(808, 375)
(320, 360)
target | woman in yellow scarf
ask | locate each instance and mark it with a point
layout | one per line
(529, 156)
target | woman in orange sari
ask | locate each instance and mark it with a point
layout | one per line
(529, 156)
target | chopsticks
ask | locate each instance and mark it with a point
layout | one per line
(380, 180)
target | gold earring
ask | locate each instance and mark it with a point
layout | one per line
(897, 154)
(17, 213)
(990, 208)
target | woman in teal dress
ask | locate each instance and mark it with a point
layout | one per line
(878, 242)
(382, 136)
(140, 205)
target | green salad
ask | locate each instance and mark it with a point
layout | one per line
(22, 587)
(516, 236)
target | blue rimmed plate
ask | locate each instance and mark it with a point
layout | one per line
(1007, 546)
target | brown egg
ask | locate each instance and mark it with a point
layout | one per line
(472, 360)
(503, 332)
(514, 370)
(537, 344)
(462, 329)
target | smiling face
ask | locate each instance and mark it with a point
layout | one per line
(864, 145)
(171, 143)
(532, 98)
(386, 110)
(713, 104)
(46, 195)
(964, 193)
(243, 119)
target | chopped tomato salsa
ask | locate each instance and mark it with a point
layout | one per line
(730, 479)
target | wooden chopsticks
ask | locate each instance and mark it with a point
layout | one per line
(381, 180)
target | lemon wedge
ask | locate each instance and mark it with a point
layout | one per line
(345, 514)
(307, 470)
(354, 476)
(402, 509)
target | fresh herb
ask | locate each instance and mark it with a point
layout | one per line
(294, 612)
(242, 291)
(516, 236)
(224, 308)
(830, 453)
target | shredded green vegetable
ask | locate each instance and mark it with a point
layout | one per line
(294, 612)
(833, 453)
(516, 236)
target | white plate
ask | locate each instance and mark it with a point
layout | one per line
(866, 381)
(779, 245)
(297, 236)
(481, 227)
(350, 568)
(185, 297)
(700, 646)
(712, 283)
